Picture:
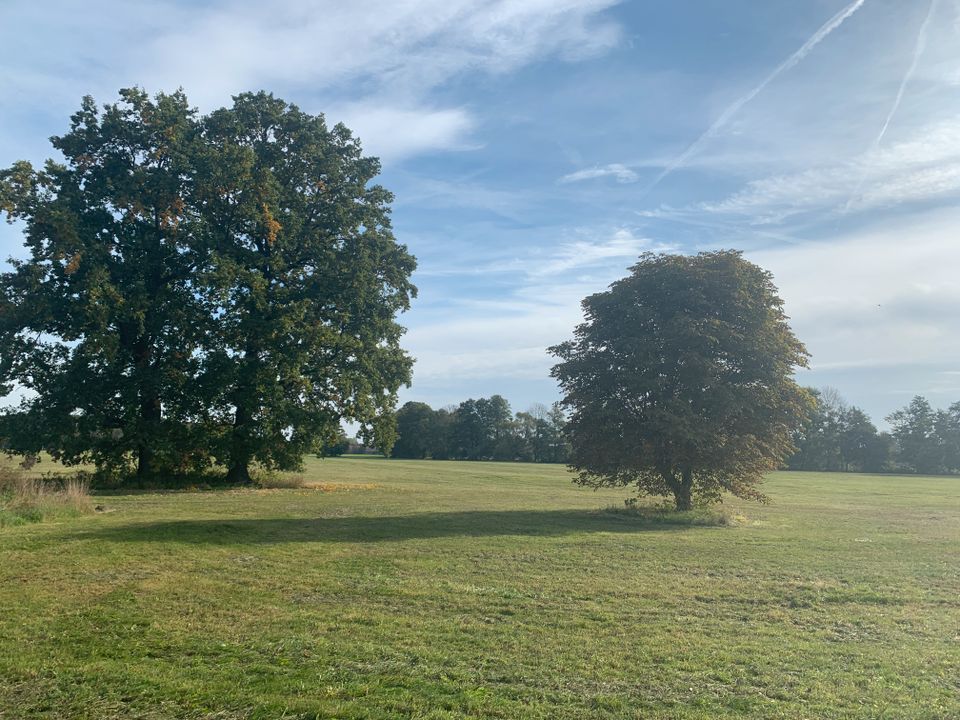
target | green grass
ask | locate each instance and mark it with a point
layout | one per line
(448, 590)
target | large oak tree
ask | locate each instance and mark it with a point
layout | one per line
(680, 380)
(101, 322)
(201, 289)
(307, 278)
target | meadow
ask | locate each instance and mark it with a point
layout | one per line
(406, 589)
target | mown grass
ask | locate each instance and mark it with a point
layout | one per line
(392, 589)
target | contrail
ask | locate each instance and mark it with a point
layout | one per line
(908, 76)
(918, 49)
(827, 28)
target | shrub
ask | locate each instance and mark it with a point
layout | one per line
(29, 461)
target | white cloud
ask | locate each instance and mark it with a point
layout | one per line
(386, 56)
(620, 249)
(397, 44)
(392, 133)
(884, 296)
(622, 173)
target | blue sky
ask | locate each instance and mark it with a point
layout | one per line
(537, 147)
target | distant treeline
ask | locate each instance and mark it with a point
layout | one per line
(837, 437)
(840, 437)
(484, 429)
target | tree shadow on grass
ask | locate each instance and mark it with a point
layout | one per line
(475, 523)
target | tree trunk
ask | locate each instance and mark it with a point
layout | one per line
(239, 472)
(682, 499)
(683, 491)
(144, 461)
(150, 417)
(150, 413)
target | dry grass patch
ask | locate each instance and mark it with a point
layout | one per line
(342, 487)
(299, 482)
(278, 481)
(30, 499)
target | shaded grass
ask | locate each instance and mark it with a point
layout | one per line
(451, 590)
(385, 528)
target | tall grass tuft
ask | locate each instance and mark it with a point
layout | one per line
(28, 499)
(280, 481)
(665, 514)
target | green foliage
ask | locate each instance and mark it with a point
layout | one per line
(680, 380)
(417, 431)
(336, 445)
(201, 290)
(836, 436)
(481, 428)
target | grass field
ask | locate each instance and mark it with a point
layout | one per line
(446, 590)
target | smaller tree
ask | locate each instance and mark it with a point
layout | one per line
(947, 428)
(415, 430)
(860, 446)
(914, 428)
(680, 381)
(836, 436)
(817, 439)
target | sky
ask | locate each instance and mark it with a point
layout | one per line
(537, 147)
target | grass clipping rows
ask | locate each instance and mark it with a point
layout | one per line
(26, 499)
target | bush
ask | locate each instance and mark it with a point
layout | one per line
(27, 499)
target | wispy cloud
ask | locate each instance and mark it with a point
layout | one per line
(580, 254)
(921, 168)
(732, 109)
(622, 173)
(908, 75)
(406, 46)
(507, 336)
(617, 249)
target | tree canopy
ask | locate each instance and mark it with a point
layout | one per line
(680, 380)
(218, 289)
